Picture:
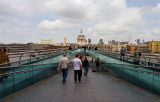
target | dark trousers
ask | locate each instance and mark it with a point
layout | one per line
(64, 73)
(77, 73)
(97, 66)
(80, 73)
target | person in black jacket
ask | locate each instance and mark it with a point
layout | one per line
(86, 66)
(97, 62)
(81, 58)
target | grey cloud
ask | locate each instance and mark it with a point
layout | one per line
(108, 19)
(15, 7)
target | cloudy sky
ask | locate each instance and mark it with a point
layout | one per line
(23, 21)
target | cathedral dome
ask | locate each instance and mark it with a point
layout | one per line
(81, 36)
(81, 40)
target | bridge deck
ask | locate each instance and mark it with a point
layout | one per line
(97, 87)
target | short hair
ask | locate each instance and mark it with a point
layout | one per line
(64, 55)
(76, 56)
(81, 57)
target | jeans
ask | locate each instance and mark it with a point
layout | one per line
(85, 70)
(64, 73)
(77, 73)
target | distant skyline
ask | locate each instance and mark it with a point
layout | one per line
(25, 21)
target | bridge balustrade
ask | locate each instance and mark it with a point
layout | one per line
(146, 77)
(18, 77)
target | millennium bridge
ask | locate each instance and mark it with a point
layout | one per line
(36, 79)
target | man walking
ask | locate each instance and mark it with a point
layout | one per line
(77, 65)
(63, 65)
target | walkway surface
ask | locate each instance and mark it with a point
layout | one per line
(97, 87)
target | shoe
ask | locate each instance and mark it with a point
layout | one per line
(63, 81)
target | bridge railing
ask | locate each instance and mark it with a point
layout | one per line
(31, 57)
(142, 76)
(15, 78)
(19, 56)
(147, 77)
(146, 57)
(147, 62)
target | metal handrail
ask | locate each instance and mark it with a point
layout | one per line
(133, 64)
(10, 73)
(135, 58)
(19, 60)
(4, 66)
(131, 57)
(1, 75)
(156, 73)
(136, 70)
(9, 67)
(32, 52)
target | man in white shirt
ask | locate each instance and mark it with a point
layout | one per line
(63, 65)
(77, 65)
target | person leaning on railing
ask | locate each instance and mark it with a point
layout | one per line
(3, 60)
(122, 52)
(137, 56)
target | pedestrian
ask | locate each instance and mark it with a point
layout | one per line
(137, 56)
(97, 62)
(85, 48)
(92, 61)
(81, 58)
(63, 65)
(70, 48)
(95, 48)
(122, 53)
(86, 66)
(3, 60)
(77, 65)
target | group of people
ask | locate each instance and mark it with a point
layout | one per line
(79, 64)
(3, 60)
